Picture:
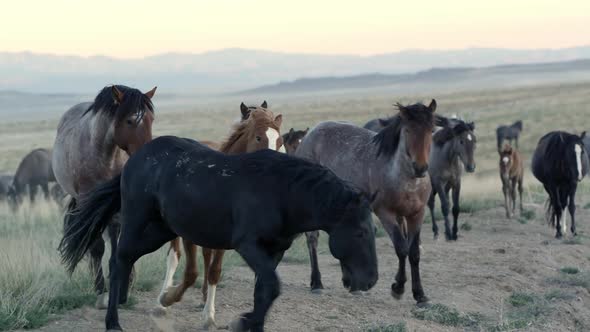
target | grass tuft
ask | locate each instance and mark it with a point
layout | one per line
(569, 270)
(525, 310)
(398, 327)
(528, 214)
(442, 314)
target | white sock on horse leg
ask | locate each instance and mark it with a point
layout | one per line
(171, 265)
(209, 309)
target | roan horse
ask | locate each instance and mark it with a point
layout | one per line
(560, 162)
(293, 138)
(92, 145)
(454, 147)
(260, 130)
(33, 171)
(255, 203)
(511, 174)
(391, 166)
(509, 133)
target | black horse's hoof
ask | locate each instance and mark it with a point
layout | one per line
(317, 290)
(238, 325)
(454, 238)
(397, 291)
(435, 237)
(424, 302)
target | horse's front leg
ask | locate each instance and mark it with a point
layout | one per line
(456, 207)
(414, 227)
(212, 279)
(444, 204)
(506, 192)
(393, 227)
(520, 193)
(312, 246)
(431, 203)
(572, 208)
(267, 287)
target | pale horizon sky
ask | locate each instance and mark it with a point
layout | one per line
(139, 28)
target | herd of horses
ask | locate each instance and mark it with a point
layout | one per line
(256, 191)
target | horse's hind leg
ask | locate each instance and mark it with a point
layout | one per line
(520, 193)
(96, 253)
(431, 203)
(456, 208)
(212, 278)
(312, 246)
(172, 258)
(45, 188)
(207, 255)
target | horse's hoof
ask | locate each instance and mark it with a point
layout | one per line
(237, 325)
(114, 330)
(166, 299)
(423, 303)
(396, 291)
(435, 237)
(454, 238)
(317, 291)
(102, 301)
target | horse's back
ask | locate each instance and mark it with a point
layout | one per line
(333, 137)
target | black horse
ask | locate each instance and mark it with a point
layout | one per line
(34, 171)
(254, 203)
(509, 133)
(378, 124)
(560, 162)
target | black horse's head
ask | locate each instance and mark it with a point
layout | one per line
(13, 197)
(352, 242)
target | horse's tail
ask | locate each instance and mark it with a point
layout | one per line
(87, 219)
(551, 212)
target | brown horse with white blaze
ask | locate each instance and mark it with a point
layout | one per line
(391, 167)
(259, 130)
(511, 174)
(93, 142)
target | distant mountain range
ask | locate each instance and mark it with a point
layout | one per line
(241, 69)
(440, 79)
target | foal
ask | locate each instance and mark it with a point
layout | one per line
(260, 130)
(511, 174)
(454, 147)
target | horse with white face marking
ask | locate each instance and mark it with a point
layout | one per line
(511, 174)
(454, 148)
(92, 145)
(560, 162)
(259, 130)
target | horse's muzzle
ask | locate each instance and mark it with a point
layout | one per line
(420, 171)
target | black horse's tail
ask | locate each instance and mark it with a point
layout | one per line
(87, 219)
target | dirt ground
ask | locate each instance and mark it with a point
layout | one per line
(475, 274)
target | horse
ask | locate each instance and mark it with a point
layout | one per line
(586, 141)
(559, 163)
(255, 203)
(93, 142)
(33, 171)
(261, 130)
(245, 110)
(390, 166)
(5, 181)
(511, 132)
(511, 174)
(378, 124)
(454, 148)
(293, 138)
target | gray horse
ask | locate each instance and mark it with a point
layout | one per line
(390, 166)
(454, 147)
(33, 171)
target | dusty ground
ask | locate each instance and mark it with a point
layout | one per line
(475, 274)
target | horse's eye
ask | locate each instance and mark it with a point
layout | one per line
(258, 139)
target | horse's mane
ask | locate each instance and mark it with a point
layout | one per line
(556, 145)
(134, 102)
(262, 118)
(517, 125)
(387, 140)
(447, 133)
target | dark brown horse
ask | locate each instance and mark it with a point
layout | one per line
(34, 171)
(260, 130)
(511, 174)
(293, 138)
(93, 142)
(392, 167)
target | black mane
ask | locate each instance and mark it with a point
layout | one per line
(134, 102)
(447, 133)
(387, 140)
(557, 144)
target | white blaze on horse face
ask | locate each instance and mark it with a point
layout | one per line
(273, 137)
(505, 160)
(469, 138)
(171, 265)
(578, 150)
(209, 310)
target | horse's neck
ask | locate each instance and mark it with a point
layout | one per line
(400, 165)
(102, 139)
(237, 146)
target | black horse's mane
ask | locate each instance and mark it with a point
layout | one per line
(134, 102)
(556, 147)
(387, 140)
(447, 133)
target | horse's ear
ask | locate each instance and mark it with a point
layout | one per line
(432, 106)
(117, 95)
(245, 110)
(291, 130)
(279, 120)
(583, 134)
(264, 104)
(150, 94)
(306, 130)
(471, 126)
(384, 122)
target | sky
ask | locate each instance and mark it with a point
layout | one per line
(138, 28)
